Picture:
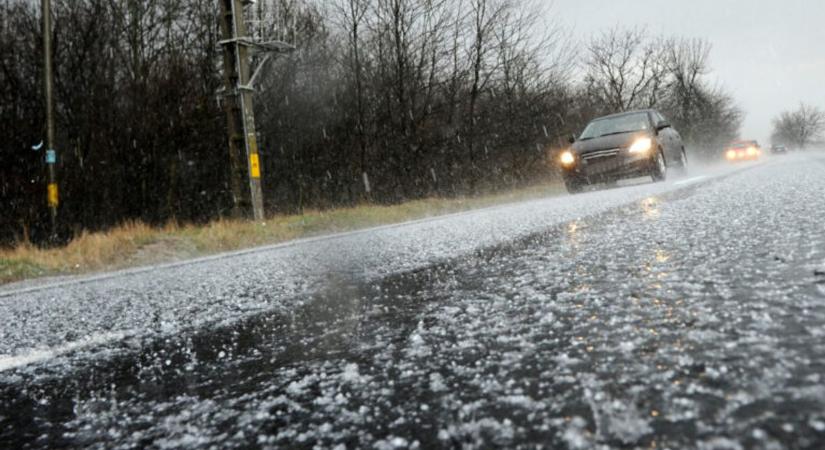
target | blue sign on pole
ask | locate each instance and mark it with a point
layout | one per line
(51, 157)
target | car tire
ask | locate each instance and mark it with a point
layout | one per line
(658, 170)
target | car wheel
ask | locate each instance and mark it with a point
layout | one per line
(659, 170)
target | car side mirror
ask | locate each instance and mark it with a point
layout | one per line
(571, 139)
(662, 125)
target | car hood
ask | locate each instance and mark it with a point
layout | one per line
(608, 142)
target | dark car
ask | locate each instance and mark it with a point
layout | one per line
(626, 145)
(779, 149)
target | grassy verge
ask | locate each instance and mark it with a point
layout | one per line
(136, 244)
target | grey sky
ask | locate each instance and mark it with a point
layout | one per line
(769, 54)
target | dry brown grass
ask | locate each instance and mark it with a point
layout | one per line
(135, 244)
(89, 251)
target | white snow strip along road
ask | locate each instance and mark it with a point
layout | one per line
(693, 180)
(13, 362)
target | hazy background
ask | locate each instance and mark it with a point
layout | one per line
(770, 55)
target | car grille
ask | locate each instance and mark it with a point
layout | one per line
(600, 154)
(601, 161)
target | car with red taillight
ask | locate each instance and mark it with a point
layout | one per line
(743, 151)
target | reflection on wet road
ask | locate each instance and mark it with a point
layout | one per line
(688, 319)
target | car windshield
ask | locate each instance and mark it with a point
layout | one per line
(615, 125)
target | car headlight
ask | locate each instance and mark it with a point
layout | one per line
(752, 151)
(567, 158)
(641, 146)
(731, 154)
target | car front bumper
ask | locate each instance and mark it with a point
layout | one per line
(609, 168)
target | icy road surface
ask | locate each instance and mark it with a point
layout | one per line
(686, 314)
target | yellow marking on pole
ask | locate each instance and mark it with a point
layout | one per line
(254, 166)
(54, 197)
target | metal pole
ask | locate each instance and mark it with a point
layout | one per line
(53, 196)
(240, 113)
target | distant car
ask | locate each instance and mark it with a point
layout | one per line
(779, 149)
(625, 145)
(743, 151)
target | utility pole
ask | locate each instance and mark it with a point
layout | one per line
(53, 196)
(244, 159)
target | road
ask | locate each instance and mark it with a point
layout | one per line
(684, 314)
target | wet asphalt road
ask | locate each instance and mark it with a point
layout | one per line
(687, 314)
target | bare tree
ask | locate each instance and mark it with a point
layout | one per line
(625, 69)
(534, 60)
(485, 16)
(716, 120)
(687, 99)
(800, 127)
(352, 14)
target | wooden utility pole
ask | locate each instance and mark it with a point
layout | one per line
(245, 162)
(53, 196)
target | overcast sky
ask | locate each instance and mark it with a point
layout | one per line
(769, 54)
